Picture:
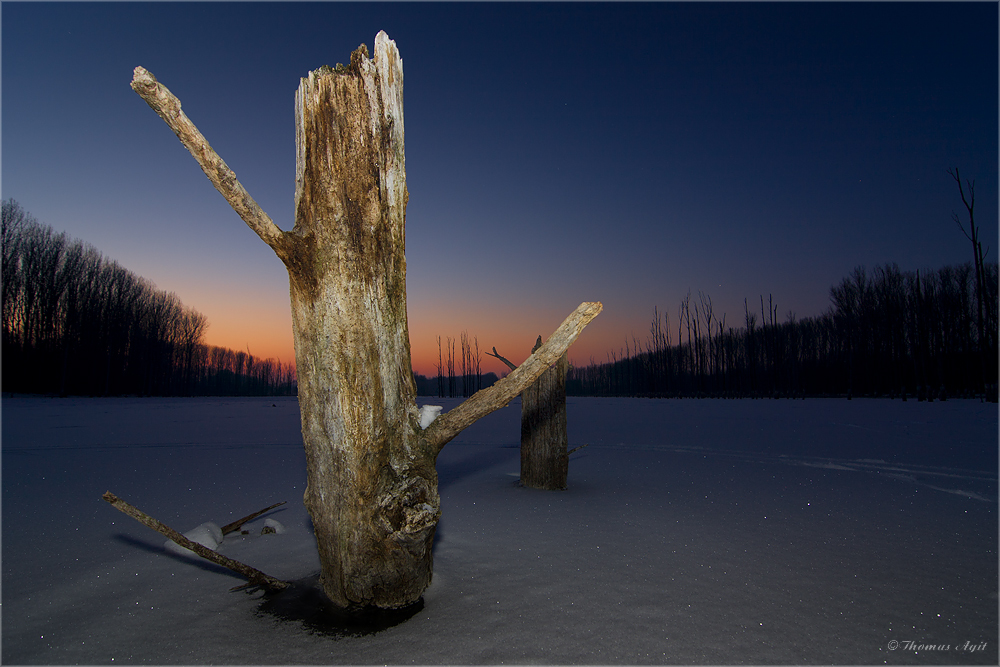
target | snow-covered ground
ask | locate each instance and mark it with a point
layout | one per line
(693, 531)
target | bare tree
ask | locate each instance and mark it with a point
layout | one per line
(707, 314)
(372, 486)
(440, 378)
(477, 361)
(750, 350)
(451, 367)
(979, 258)
(76, 323)
(192, 330)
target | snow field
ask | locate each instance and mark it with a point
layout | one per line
(712, 532)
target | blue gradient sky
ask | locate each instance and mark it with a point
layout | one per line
(555, 153)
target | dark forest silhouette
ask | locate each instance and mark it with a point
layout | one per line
(438, 385)
(888, 333)
(77, 323)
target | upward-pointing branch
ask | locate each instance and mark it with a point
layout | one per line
(510, 365)
(164, 103)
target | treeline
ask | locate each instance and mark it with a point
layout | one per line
(457, 376)
(888, 333)
(220, 371)
(432, 386)
(77, 323)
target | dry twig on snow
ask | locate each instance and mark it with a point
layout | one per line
(255, 576)
(236, 525)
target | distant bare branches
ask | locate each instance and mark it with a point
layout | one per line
(450, 424)
(506, 361)
(983, 308)
(888, 333)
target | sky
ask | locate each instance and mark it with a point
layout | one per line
(555, 153)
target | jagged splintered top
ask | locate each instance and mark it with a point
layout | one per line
(359, 55)
(386, 53)
(329, 99)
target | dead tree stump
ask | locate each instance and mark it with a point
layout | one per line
(372, 485)
(544, 457)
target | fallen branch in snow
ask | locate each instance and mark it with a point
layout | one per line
(236, 525)
(255, 576)
(576, 448)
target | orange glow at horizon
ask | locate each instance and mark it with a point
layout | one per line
(514, 347)
(240, 322)
(259, 344)
(267, 334)
(423, 349)
(512, 333)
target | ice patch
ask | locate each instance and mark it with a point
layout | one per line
(829, 466)
(207, 534)
(959, 492)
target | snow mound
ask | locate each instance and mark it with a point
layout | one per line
(428, 413)
(271, 523)
(207, 534)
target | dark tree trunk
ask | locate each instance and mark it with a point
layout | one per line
(544, 458)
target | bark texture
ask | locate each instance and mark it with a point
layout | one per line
(372, 486)
(544, 456)
(372, 489)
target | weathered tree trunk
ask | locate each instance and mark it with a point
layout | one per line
(372, 486)
(372, 490)
(544, 455)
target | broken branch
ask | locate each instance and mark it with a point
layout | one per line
(485, 401)
(255, 576)
(509, 364)
(236, 525)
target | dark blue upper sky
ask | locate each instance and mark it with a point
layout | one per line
(555, 153)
